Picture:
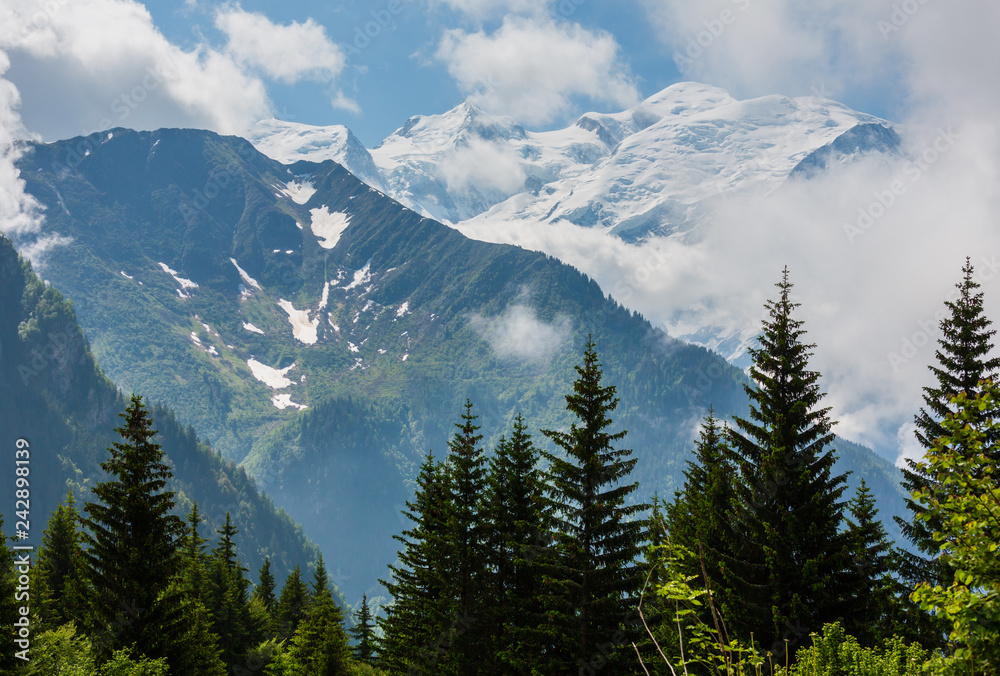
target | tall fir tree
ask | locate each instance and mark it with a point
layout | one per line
(519, 547)
(363, 633)
(228, 601)
(467, 534)
(963, 361)
(791, 570)
(595, 579)
(319, 645)
(131, 554)
(194, 560)
(419, 626)
(874, 616)
(61, 571)
(264, 603)
(700, 519)
(292, 604)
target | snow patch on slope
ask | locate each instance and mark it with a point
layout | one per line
(299, 192)
(361, 277)
(247, 279)
(274, 378)
(303, 329)
(328, 227)
(253, 329)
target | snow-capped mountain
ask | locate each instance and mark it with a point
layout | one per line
(653, 169)
(291, 142)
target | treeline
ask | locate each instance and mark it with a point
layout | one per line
(535, 562)
(538, 561)
(127, 587)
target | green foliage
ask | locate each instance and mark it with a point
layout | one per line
(962, 501)
(835, 653)
(60, 652)
(701, 517)
(790, 572)
(132, 540)
(963, 362)
(292, 604)
(363, 633)
(418, 628)
(594, 579)
(61, 570)
(122, 663)
(519, 537)
(875, 614)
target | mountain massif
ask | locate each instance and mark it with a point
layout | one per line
(324, 336)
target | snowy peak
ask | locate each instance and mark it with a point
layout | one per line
(464, 121)
(290, 142)
(652, 169)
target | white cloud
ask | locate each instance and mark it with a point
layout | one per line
(532, 69)
(20, 214)
(518, 333)
(482, 165)
(92, 64)
(343, 102)
(755, 48)
(481, 9)
(287, 53)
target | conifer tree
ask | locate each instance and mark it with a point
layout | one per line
(873, 615)
(292, 604)
(61, 571)
(700, 518)
(264, 603)
(789, 574)
(363, 634)
(227, 600)
(194, 558)
(519, 538)
(265, 590)
(319, 645)
(963, 362)
(131, 552)
(467, 535)
(595, 578)
(419, 627)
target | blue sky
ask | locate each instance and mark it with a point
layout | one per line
(394, 75)
(379, 62)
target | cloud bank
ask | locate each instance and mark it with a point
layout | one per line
(517, 333)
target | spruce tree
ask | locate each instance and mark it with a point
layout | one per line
(519, 539)
(873, 617)
(467, 535)
(963, 362)
(319, 645)
(595, 579)
(264, 604)
(194, 558)
(701, 516)
(363, 634)
(61, 571)
(292, 604)
(131, 552)
(790, 571)
(419, 627)
(228, 602)
(264, 591)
